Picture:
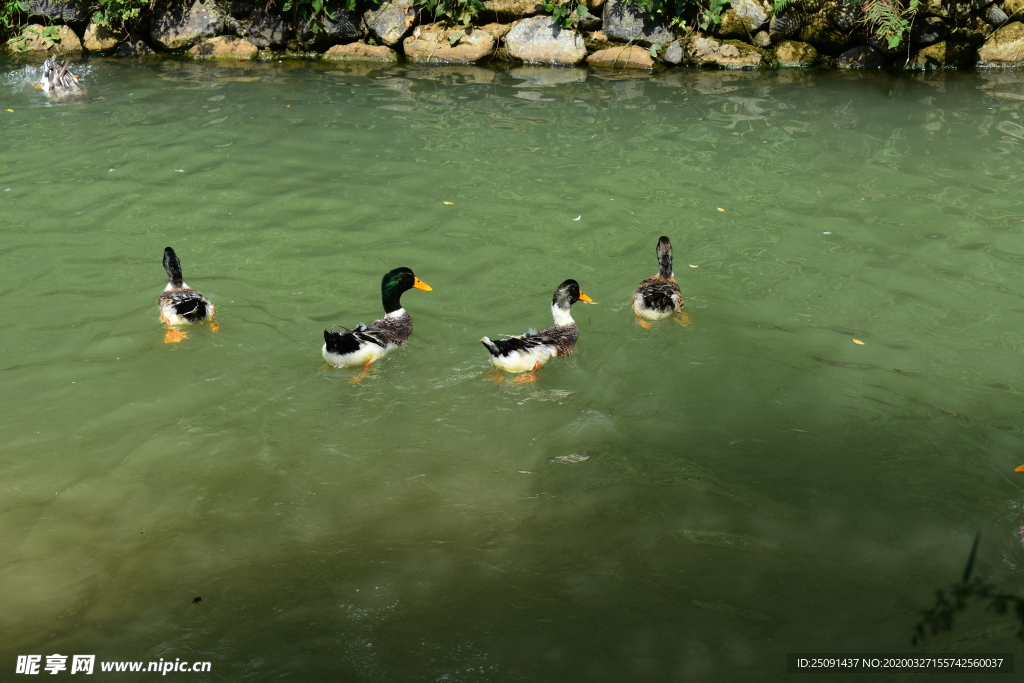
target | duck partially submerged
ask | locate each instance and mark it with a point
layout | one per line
(659, 296)
(57, 79)
(527, 352)
(363, 344)
(180, 304)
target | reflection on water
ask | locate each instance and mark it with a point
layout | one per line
(679, 503)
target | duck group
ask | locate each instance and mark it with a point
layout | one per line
(655, 298)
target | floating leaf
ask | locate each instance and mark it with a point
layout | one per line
(1020, 469)
(858, 341)
(449, 202)
(693, 266)
(722, 210)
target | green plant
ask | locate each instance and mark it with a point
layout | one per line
(565, 11)
(460, 12)
(889, 20)
(50, 36)
(10, 20)
(117, 13)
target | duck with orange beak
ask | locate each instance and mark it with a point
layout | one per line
(363, 344)
(525, 353)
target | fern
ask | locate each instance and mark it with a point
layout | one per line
(889, 20)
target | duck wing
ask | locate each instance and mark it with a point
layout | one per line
(660, 295)
(352, 339)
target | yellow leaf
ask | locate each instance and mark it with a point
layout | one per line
(1020, 469)
(693, 266)
(448, 202)
(288, 106)
(11, 110)
(858, 341)
(722, 210)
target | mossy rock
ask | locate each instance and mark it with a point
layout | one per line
(825, 37)
(792, 54)
(945, 55)
(39, 38)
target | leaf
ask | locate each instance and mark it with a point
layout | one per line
(454, 37)
(549, 8)
(581, 10)
(858, 341)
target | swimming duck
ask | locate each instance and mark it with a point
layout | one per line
(363, 344)
(180, 304)
(527, 352)
(659, 296)
(57, 79)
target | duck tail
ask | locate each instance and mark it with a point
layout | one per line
(664, 252)
(492, 348)
(173, 267)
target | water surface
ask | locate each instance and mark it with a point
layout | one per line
(680, 503)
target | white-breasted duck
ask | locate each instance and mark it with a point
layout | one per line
(57, 79)
(659, 296)
(180, 304)
(363, 344)
(525, 353)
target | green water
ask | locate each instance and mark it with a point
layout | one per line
(683, 503)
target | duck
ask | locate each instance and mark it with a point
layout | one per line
(180, 304)
(364, 344)
(659, 296)
(526, 353)
(57, 79)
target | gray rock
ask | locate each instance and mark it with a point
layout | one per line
(587, 22)
(626, 22)
(927, 31)
(732, 54)
(391, 21)
(181, 24)
(135, 48)
(540, 40)
(344, 30)
(752, 11)
(996, 16)
(673, 54)
(1004, 48)
(863, 57)
(267, 30)
(783, 25)
(62, 10)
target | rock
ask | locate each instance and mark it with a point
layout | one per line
(497, 31)
(391, 21)
(762, 39)
(947, 9)
(267, 30)
(224, 47)
(995, 16)
(593, 5)
(1013, 7)
(434, 46)
(361, 52)
(927, 31)
(1005, 47)
(136, 48)
(792, 54)
(100, 38)
(39, 38)
(540, 40)
(510, 10)
(336, 32)
(733, 25)
(546, 77)
(981, 4)
(731, 54)
(944, 55)
(626, 22)
(783, 25)
(673, 54)
(746, 16)
(180, 24)
(631, 57)
(844, 15)
(827, 39)
(60, 10)
(586, 22)
(863, 57)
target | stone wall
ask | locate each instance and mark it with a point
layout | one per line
(612, 34)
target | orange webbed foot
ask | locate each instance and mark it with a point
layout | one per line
(683, 319)
(214, 327)
(643, 323)
(362, 373)
(174, 336)
(498, 376)
(530, 376)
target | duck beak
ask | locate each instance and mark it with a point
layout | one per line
(586, 299)
(1020, 469)
(420, 284)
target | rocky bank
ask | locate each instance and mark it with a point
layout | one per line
(604, 34)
